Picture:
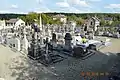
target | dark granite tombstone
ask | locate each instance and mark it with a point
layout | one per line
(68, 39)
(78, 52)
(85, 29)
(54, 37)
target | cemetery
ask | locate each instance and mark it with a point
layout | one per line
(53, 44)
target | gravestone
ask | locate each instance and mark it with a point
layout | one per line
(68, 39)
(16, 44)
(25, 43)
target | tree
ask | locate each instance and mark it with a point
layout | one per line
(23, 18)
(30, 18)
(57, 21)
(72, 18)
(115, 23)
(102, 23)
(34, 17)
(80, 21)
(46, 19)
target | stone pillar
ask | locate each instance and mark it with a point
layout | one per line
(49, 33)
(35, 35)
(17, 44)
(25, 43)
(41, 27)
(34, 45)
(40, 40)
(73, 27)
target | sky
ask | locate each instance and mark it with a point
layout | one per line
(67, 6)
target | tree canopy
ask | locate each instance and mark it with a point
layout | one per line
(79, 18)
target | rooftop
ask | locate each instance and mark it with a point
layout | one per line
(12, 21)
(59, 16)
(95, 18)
(108, 18)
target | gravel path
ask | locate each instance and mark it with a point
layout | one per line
(114, 48)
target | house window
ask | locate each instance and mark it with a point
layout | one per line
(13, 45)
(22, 23)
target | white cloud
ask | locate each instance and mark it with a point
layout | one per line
(14, 6)
(4, 11)
(8, 11)
(74, 1)
(78, 2)
(62, 4)
(116, 12)
(83, 3)
(113, 6)
(39, 1)
(73, 9)
(42, 9)
(94, 0)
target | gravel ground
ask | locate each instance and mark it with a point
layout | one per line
(114, 48)
(15, 66)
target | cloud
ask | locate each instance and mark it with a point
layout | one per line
(39, 1)
(5, 11)
(14, 6)
(94, 0)
(8, 11)
(78, 2)
(62, 4)
(83, 3)
(116, 12)
(70, 10)
(113, 6)
(73, 6)
(73, 9)
(42, 9)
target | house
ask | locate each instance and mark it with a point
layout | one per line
(60, 17)
(108, 20)
(14, 23)
(2, 24)
(92, 24)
